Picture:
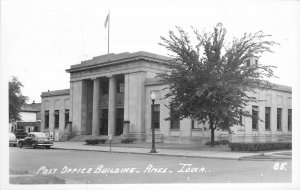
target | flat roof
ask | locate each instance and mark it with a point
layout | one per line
(56, 93)
(282, 88)
(279, 87)
(34, 107)
(111, 59)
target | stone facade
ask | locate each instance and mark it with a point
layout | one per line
(109, 89)
(279, 97)
(55, 111)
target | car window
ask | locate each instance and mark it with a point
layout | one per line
(41, 135)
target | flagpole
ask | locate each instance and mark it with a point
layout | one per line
(107, 22)
(108, 34)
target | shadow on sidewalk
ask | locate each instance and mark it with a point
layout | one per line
(196, 147)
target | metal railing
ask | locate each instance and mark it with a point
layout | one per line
(257, 138)
(145, 137)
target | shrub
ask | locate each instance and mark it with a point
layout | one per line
(127, 141)
(92, 141)
(215, 143)
(260, 146)
(222, 142)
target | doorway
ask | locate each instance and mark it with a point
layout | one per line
(119, 121)
(104, 122)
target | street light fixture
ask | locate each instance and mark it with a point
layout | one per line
(153, 97)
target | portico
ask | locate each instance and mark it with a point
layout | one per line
(99, 93)
(98, 100)
(109, 89)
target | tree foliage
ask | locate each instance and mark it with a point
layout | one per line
(210, 80)
(16, 99)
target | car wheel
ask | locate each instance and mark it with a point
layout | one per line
(33, 145)
(20, 145)
(47, 147)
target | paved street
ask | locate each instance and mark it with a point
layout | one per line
(106, 167)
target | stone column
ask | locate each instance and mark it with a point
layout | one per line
(96, 113)
(112, 106)
(126, 98)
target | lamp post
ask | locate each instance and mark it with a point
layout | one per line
(153, 97)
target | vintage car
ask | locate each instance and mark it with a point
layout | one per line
(20, 134)
(35, 139)
(12, 139)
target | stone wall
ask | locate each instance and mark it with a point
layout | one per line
(59, 102)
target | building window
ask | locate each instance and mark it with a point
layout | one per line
(156, 116)
(175, 120)
(241, 118)
(267, 118)
(120, 84)
(175, 124)
(248, 63)
(289, 119)
(121, 88)
(254, 117)
(195, 125)
(67, 117)
(279, 110)
(56, 119)
(256, 62)
(104, 85)
(46, 119)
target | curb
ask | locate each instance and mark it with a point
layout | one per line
(157, 154)
(274, 158)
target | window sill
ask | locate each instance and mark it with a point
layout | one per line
(174, 129)
(197, 129)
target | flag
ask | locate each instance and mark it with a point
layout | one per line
(107, 20)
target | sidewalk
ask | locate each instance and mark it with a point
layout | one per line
(80, 146)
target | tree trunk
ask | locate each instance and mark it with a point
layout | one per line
(212, 136)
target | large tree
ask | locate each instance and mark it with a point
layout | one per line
(16, 99)
(209, 79)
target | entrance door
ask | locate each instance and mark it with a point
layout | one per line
(104, 122)
(119, 121)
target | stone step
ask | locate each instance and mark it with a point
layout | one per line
(66, 137)
(82, 138)
(79, 138)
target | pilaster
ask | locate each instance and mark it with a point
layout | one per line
(112, 106)
(96, 101)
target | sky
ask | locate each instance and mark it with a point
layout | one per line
(41, 39)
